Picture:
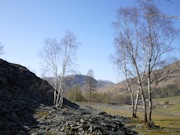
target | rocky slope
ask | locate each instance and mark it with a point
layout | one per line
(26, 108)
(81, 121)
(20, 93)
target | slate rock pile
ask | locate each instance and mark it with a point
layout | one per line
(21, 91)
(82, 121)
(26, 108)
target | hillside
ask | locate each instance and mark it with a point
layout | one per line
(79, 80)
(169, 77)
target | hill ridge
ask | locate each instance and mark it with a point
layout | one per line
(170, 77)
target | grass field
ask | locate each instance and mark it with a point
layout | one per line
(166, 114)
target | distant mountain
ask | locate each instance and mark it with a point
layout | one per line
(170, 77)
(79, 80)
(103, 83)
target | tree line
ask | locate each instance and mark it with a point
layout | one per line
(76, 94)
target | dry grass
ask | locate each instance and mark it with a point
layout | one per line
(41, 113)
(168, 118)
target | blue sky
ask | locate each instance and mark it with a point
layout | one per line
(25, 24)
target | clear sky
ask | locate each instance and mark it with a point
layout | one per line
(25, 24)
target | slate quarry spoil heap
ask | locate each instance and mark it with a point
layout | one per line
(21, 92)
(26, 108)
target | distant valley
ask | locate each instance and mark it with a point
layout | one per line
(80, 81)
(170, 77)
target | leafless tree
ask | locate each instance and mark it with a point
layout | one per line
(157, 40)
(142, 42)
(59, 57)
(90, 83)
(128, 51)
(122, 62)
(161, 14)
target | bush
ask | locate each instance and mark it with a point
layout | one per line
(101, 97)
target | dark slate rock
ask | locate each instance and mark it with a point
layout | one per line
(26, 108)
(21, 92)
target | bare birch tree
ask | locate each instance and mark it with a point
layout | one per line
(59, 57)
(145, 40)
(162, 14)
(127, 47)
(121, 61)
(158, 37)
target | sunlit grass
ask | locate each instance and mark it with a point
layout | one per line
(41, 113)
(167, 118)
(171, 109)
(125, 113)
(169, 98)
